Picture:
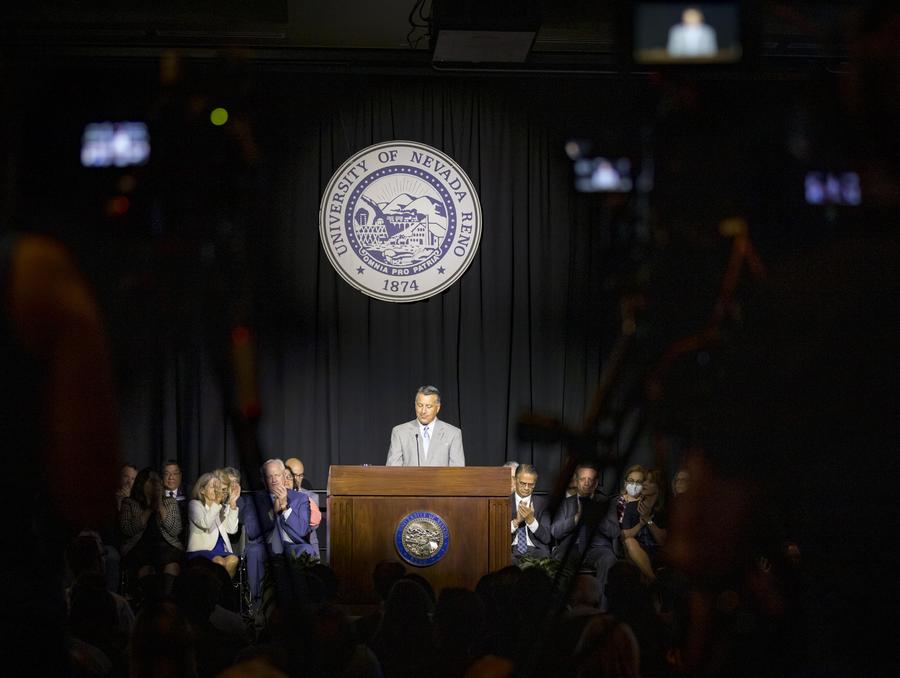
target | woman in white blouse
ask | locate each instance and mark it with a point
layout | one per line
(209, 523)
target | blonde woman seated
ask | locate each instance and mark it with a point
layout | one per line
(209, 523)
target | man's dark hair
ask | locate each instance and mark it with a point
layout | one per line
(525, 468)
(429, 390)
(424, 583)
(385, 574)
(170, 462)
(128, 464)
(83, 555)
(137, 489)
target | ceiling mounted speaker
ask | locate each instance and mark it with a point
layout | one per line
(500, 31)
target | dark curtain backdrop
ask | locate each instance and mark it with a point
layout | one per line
(524, 330)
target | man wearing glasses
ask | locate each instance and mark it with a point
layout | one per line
(294, 474)
(530, 524)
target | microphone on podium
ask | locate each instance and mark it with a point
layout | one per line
(418, 463)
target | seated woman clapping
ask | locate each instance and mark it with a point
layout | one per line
(644, 526)
(150, 524)
(209, 523)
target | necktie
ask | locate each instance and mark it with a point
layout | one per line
(579, 539)
(521, 541)
(425, 435)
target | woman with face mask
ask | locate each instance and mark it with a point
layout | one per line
(634, 480)
(644, 525)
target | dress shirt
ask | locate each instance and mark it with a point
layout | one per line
(532, 526)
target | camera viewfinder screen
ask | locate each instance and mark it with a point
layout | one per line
(115, 144)
(694, 33)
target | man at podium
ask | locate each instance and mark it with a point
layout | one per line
(426, 441)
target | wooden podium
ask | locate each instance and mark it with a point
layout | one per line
(366, 505)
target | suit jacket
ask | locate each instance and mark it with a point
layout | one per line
(132, 530)
(445, 448)
(315, 518)
(260, 521)
(207, 523)
(563, 527)
(541, 536)
(692, 41)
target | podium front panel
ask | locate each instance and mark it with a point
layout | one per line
(363, 525)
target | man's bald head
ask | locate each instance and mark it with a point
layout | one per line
(296, 468)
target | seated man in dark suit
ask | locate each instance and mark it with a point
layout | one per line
(575, 515)
(276, 521)
(530, 525)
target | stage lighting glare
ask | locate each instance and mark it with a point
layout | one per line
(118, 206)
(573, 150)
(240, 335)
(126, 183)
(218, 117)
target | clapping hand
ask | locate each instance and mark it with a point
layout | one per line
(153, 492)
(526, 511)
(281, 501)
(645, 512)
(521, 513)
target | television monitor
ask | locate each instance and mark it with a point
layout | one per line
(687, 33)
(115, 144)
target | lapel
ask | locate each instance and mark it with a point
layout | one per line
(264, 510)
(412, 428)
(437, 437)
(573, 505)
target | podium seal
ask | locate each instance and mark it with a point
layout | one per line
(400, 221)
(422, 538)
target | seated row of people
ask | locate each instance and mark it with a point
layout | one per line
(160, 528)
(588, 529)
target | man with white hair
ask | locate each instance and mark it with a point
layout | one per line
(277, 522)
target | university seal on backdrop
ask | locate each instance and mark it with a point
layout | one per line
(422, 538)
(400, 221)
